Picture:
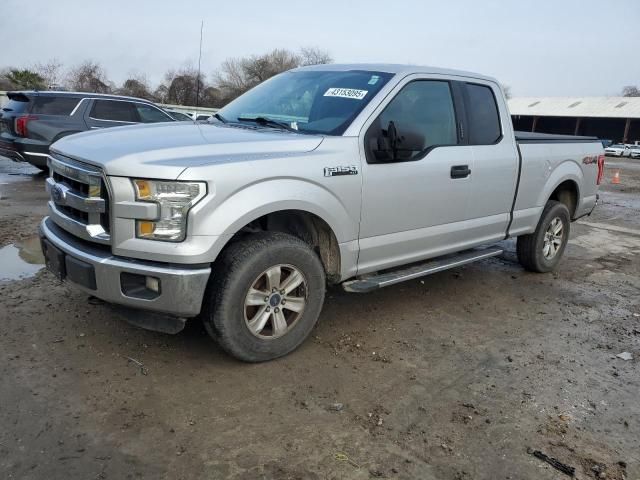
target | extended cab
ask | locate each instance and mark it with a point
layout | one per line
(364, 175)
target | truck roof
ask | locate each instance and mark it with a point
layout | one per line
(395, 68)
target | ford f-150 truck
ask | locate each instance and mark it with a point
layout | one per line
(360, 175)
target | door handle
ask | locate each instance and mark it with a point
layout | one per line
(460, 171)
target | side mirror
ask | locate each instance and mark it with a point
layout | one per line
(398, 145)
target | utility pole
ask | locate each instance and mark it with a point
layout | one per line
(199, 63)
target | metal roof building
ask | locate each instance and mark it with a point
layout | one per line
(614, 118)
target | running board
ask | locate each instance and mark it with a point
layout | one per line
(375, 282)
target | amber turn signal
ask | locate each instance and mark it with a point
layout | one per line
(145, 227)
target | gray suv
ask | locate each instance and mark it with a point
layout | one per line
(31, 121)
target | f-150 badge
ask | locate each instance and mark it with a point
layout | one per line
(341, 170)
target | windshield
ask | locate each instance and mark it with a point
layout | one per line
(307, 101)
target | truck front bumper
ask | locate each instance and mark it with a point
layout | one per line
(166, 288)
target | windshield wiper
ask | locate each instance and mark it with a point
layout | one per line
(268, 122)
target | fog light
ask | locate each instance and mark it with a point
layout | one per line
(153, 283)
(139, 286)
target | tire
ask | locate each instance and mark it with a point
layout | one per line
(235, 318)
(537, 255)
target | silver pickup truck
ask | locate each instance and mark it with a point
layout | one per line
(360, 175)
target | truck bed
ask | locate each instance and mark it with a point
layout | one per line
(533, 137)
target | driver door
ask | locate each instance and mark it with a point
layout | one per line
(416, 183)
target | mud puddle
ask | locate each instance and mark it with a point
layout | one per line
(621, 199)
(21, 260)
(9, 168)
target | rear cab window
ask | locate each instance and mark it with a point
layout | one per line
(482, 115)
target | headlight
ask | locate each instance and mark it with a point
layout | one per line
(174, 200)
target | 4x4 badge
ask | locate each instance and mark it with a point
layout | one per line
(340, 170)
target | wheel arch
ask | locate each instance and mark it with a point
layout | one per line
(563, 185)
(568, 193)
(304, 209)
(305, 225)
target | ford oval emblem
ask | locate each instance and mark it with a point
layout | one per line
(58, 193)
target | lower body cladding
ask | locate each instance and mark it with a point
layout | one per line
(174, 292)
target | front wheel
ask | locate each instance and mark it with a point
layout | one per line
(541, 250)
(265, 296)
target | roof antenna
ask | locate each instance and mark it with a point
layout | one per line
(199, 61)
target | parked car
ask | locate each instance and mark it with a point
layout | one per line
(360, 175)
(32, 120)
(201, 117)
(616, 150)
(179, 116)
(606, 143)
(634, 151)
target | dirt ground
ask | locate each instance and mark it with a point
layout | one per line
(460, 375)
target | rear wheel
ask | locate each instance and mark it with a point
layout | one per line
(265, 296)
(541, 250)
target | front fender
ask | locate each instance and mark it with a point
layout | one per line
(273, 195)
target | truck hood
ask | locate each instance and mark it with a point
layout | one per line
(164, 150)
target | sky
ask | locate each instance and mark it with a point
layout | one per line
(538, 48)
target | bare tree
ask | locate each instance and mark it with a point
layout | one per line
(314, 56)
(631, 91)
(211, 97)
(89, 76)
(507, 91)
(237, 75)
(51, 72)
(231, 79)
(182, 86)
(257, 69)
(161, 93)
(136, 86)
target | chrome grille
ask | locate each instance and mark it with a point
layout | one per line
(79, 201)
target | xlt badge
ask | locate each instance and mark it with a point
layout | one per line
(341, 170)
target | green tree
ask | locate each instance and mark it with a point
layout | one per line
(25, 80)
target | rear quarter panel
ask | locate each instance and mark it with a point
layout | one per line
(544, 167)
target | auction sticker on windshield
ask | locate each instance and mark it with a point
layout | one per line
(346, 93)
